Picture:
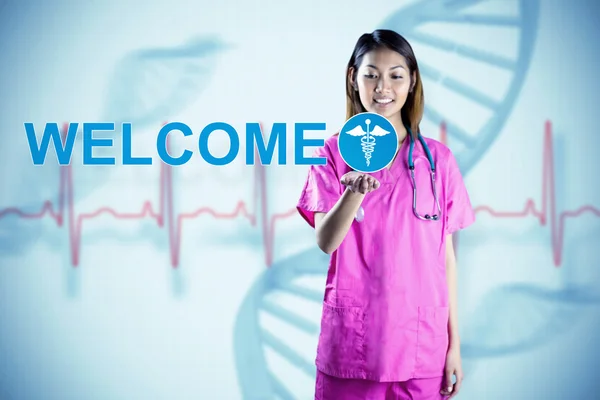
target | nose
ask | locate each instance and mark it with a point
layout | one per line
(383, 85)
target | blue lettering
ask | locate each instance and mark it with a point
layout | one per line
(233, 138)
(89, 142)
(301, 142)
(255, 144)
(128, 159)
(51, 131)
(254, 133)
(161, 143)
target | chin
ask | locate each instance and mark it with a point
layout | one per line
(391, 114)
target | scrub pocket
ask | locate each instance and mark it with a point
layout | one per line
(341, 348)
(432, 346)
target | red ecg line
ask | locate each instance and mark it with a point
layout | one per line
(548, 210)
(166, 214)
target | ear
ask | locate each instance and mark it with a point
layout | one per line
(352, 78)
(413, 81)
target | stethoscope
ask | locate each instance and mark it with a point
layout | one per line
(360, 215)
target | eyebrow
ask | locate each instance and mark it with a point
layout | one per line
(397, 66)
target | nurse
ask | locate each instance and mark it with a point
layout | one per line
(389, 327)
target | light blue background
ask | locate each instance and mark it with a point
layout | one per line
(126, 324)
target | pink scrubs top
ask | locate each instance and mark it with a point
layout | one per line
(385, 309)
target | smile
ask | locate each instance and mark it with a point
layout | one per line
(383, 101)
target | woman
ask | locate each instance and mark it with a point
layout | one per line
(389, 325)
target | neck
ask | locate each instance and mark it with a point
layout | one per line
(399, 127)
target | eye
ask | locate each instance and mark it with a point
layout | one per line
(369, 76)
(397, 77)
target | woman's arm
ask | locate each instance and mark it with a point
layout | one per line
(331, 228)
(451, 276)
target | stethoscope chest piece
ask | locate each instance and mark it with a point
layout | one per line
(360, 214)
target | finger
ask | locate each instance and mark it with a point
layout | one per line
(356, 184)
(448, 387)
(375, 184)
(456, 387)
(453, 394)
(365, 184)
(348, 179)
(361, 184)
(369, 184)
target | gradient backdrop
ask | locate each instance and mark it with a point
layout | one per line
(200, 282)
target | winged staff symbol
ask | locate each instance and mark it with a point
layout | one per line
(367, 140)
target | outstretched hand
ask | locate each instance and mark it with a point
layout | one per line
(359, 182)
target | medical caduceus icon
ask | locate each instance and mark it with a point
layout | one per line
(380, 134)
(368, 138)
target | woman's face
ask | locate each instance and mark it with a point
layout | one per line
(383, 82)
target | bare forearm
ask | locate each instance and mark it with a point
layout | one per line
(334, 226)
(453, 320)
(451, 276)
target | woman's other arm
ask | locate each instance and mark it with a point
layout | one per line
(451, 276)
(453, 359)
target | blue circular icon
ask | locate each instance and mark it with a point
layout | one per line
(368, 142)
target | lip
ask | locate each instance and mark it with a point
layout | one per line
(383, 104)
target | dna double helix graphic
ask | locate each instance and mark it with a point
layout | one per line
(171, 78)
(253, 338)
(469, 145)
(541, 315)
(147, 87)
(527, 315)
(284, 277)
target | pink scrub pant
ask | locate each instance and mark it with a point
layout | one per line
(328, 387)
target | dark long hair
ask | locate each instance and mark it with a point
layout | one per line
(412, 111)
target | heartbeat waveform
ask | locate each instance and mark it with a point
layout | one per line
(165, 216)
(548, 210)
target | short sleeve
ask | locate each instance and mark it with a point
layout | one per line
(322, 188)
(459, 212)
